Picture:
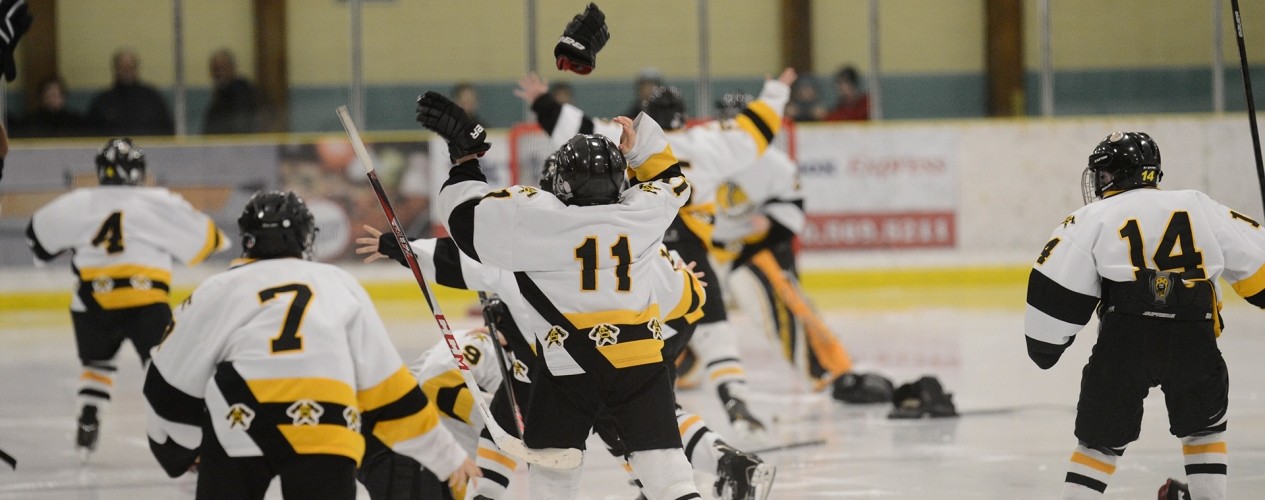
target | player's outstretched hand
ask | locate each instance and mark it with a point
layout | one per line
(446, 118)
(463, 474)
(628, 137)
(788, 76)
(584, 36)
(379, 246)
(530, 87)
(697, 274)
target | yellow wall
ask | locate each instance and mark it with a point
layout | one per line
(432, 40)
(918, 36)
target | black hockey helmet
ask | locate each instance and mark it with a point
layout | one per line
(120, 162)
(666, 107)
(587, 170)
(730, 104)
(276, 224)
(1122, 161)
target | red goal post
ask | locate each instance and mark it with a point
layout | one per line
(529, 146)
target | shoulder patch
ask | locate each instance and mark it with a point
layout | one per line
(649, 188)
(528, 190)
(1071, 219)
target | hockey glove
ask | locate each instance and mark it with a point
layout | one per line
(446, 118)
(390, 247)
(16, 20)
(584, 36)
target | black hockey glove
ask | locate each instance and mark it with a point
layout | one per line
(446, 118)
(390, 247)
(16, 19)
(584, 36)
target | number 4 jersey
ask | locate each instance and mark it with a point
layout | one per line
(1183, 231)
(124, 239)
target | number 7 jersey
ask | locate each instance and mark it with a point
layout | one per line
(1184, 231)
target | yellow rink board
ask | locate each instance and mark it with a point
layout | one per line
(970, 287)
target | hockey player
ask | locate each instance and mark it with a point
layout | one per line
(388, 475)
(707, 156)
(583, 255)
(281, 367)
(739, 475)
(1149, 262)
(759, 211)
(123, 238)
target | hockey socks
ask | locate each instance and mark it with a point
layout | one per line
(700, 442)
(1205, 458)
(717, 350)
(96, 383)
(1089, 471)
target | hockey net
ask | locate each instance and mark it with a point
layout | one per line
(529, 146)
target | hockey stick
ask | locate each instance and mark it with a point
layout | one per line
(1251, 101)
(558, 458)
(507, 368)
(790, 446)
(830, 352)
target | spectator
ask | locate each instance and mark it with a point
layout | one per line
(562, 92)
(853, 104)
(235, 105)
(805, 105)
(50, 118)
(130, 108)
(647, 80)
(465, 95)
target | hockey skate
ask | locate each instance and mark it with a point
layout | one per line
(742, 476)
(86, 433)
(862, 388)
(1173, 489)
(925, 397)
(744, 423)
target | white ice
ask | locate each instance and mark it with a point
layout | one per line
(1013, 440)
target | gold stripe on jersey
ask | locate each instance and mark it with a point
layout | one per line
(125, 297)
(464, 402)
(635, 353)
(584, 321)
(1251, 285)
(656, 164)
(214, 240)
(1093, 463)
(693, 290)
(403, 429)
(497, 457)
(330, 439)
(387, 391)
(698, 219)
(290, 389)
(767, 115)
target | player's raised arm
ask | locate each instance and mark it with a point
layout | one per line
(439, 259)
(560, 121)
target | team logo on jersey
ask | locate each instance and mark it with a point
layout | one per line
(1071, 219)
(1161, 287)
(141, 282)
(604, 334)
(520, 372)
(649, 188)
(102, 284)
(528, 190)
(656, 328)
(352, 417)
(305, 412)
(239, 415)
(556, 337)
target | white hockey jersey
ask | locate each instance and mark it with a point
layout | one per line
(585, 273)
(441, 382)
(124, 239)
(1139, 229)
(768, 187)
(288, 356)
(708, 154)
